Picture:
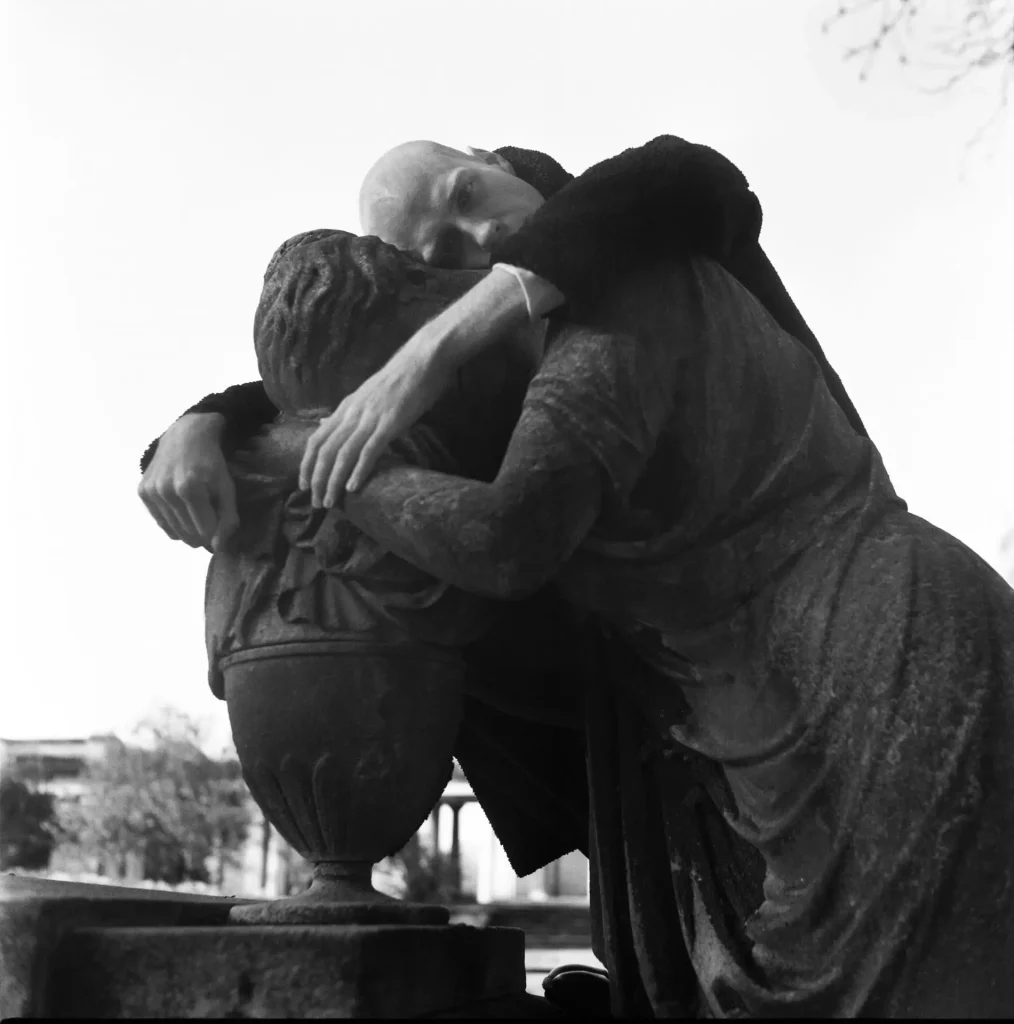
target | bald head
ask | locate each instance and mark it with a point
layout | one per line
(399, 181)
(446, 206)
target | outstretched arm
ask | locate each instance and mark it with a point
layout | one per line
(503, 539)
(666, 199)
(589, 425)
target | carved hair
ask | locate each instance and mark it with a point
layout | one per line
(323, 290)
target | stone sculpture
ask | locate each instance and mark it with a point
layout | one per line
(341, 664)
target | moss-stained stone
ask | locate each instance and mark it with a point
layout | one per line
(75, 950)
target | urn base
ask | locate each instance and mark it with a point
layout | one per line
(340, 894)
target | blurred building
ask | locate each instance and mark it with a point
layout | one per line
(459, 829)
(60, 767)
(54, 766)
(267, 866)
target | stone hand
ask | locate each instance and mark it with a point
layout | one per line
(344, 449)
(187, 487)
(346, 446)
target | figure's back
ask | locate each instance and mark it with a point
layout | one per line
(726, 453)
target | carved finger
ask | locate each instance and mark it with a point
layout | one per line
(327, 436)
(326, 460)
(202, 515)
(155, 512)
(306, 465)
(372, 450)
(170, 514)
(185, 527)
(228, 517)
(312, 451)
(335, 456)
(344, 462)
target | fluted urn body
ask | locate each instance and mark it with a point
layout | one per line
(340, 663)
(349, 764)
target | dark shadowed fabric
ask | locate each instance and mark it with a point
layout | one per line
(846, 667)
(666, 198)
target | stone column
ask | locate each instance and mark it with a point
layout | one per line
(455, 806)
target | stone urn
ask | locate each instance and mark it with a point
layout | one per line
(340, 663)
(347, 765)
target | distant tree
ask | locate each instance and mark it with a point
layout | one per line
(28, 825)
(296, 871)
(165, 803)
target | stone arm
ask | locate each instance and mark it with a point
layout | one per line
(503, 539)
(244, 408)
(591, 419)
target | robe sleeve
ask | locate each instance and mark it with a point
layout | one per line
(245, 407)
(666, 198)
(610, 394)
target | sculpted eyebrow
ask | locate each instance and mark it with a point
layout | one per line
(453, 182)
(447, 248)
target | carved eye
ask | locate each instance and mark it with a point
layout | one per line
(464, 195)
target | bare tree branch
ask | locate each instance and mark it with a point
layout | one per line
(947, 42)
(952, 39)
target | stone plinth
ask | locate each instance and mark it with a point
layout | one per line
(37, 914)
(75, 950)
(384, 971)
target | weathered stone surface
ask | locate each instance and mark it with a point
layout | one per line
(72, 949)
(281, 971)
(35, 915)
(347, 749)
(340, 663)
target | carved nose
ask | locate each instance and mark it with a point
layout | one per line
(488, 232)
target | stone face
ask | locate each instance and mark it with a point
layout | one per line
(281, 971)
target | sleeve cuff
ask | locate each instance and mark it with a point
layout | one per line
(541, 297)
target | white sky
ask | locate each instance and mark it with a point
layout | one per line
(162, 150)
